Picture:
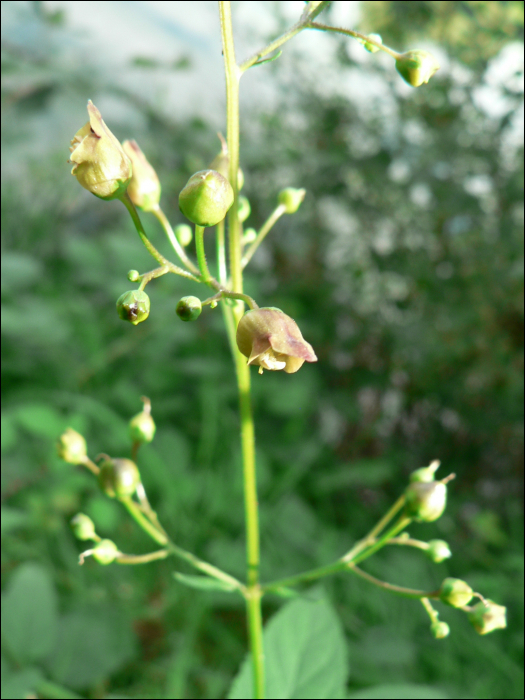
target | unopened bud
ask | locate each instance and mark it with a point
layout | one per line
(144, 187)
(133, 306)
(291, 199)
(119, 477)
(425, 502)
(244, 208)
(206, 198)
(142, 426)
(455, 592)
(439, 630)
(184, 234)
(133, 275)
(189, 308)
(370, 47)
(71, 447)
(425, 473)
(105, 552)
(83, 527)
(416, 67)
(438, 551)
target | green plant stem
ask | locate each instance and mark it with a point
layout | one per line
(344, 563)
(226, 294)
(370, 538)
(126, 201)
(398, 590)
(173, 239)
(201, 254)
(221, 254)
(253, 591)
(142, 558)
(356, 35)
(135, 512)
(270, 221)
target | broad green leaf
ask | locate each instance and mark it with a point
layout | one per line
(22, 684)
(90, 647)
(29, 613)
(305, 652)
(403, 691)
(203, 583)
(11, 518)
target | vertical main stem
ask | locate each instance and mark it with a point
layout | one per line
(253, 595)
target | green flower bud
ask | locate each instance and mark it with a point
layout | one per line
(370, 47)
(105, 552)
(455, 592)
(184, 234)
(291, 199)
(133, 275)
(189, 308)
(249, 236)
(221, 163)
(425, 473)
(439, 630)
(83, 527)
(99, 161)
(487, 616)
(416, 67)
(71, 447)
(425, 502)
(244, 209)
(119, 477)
(271, 339)
(144, 187)
(133, 306)
(142, 426)
(206, 198)
(438, 551)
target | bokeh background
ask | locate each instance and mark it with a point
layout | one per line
(403, 268)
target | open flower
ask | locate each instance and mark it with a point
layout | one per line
(99, 161)
(271, 339)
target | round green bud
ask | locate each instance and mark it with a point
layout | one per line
(416, 67)
(370, 47)
(184, 234)
(206, 198)
(455, 592)
(488, 616)
(105, 552)
(425, 502)
(133, 306)
(244, 208)
(133, 275)
(83, 527)
(119, 477)
(240, 180)
(291, 199)
(438, 551)
(249, 236)
(71, 447)
(142, 426)
(189, 308)
(425, 473)
(439, 630)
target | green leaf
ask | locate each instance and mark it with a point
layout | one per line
(91, 646)
(22, 684)
(305, 651)
(392, 691)
(204, 583)
(29, 613)
(11, 518)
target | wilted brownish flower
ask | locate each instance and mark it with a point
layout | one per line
(271, 339)
(144, 188)
(99, 161)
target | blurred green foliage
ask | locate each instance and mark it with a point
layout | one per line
(404, 270)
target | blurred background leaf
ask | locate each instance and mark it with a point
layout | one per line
(403, 268)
